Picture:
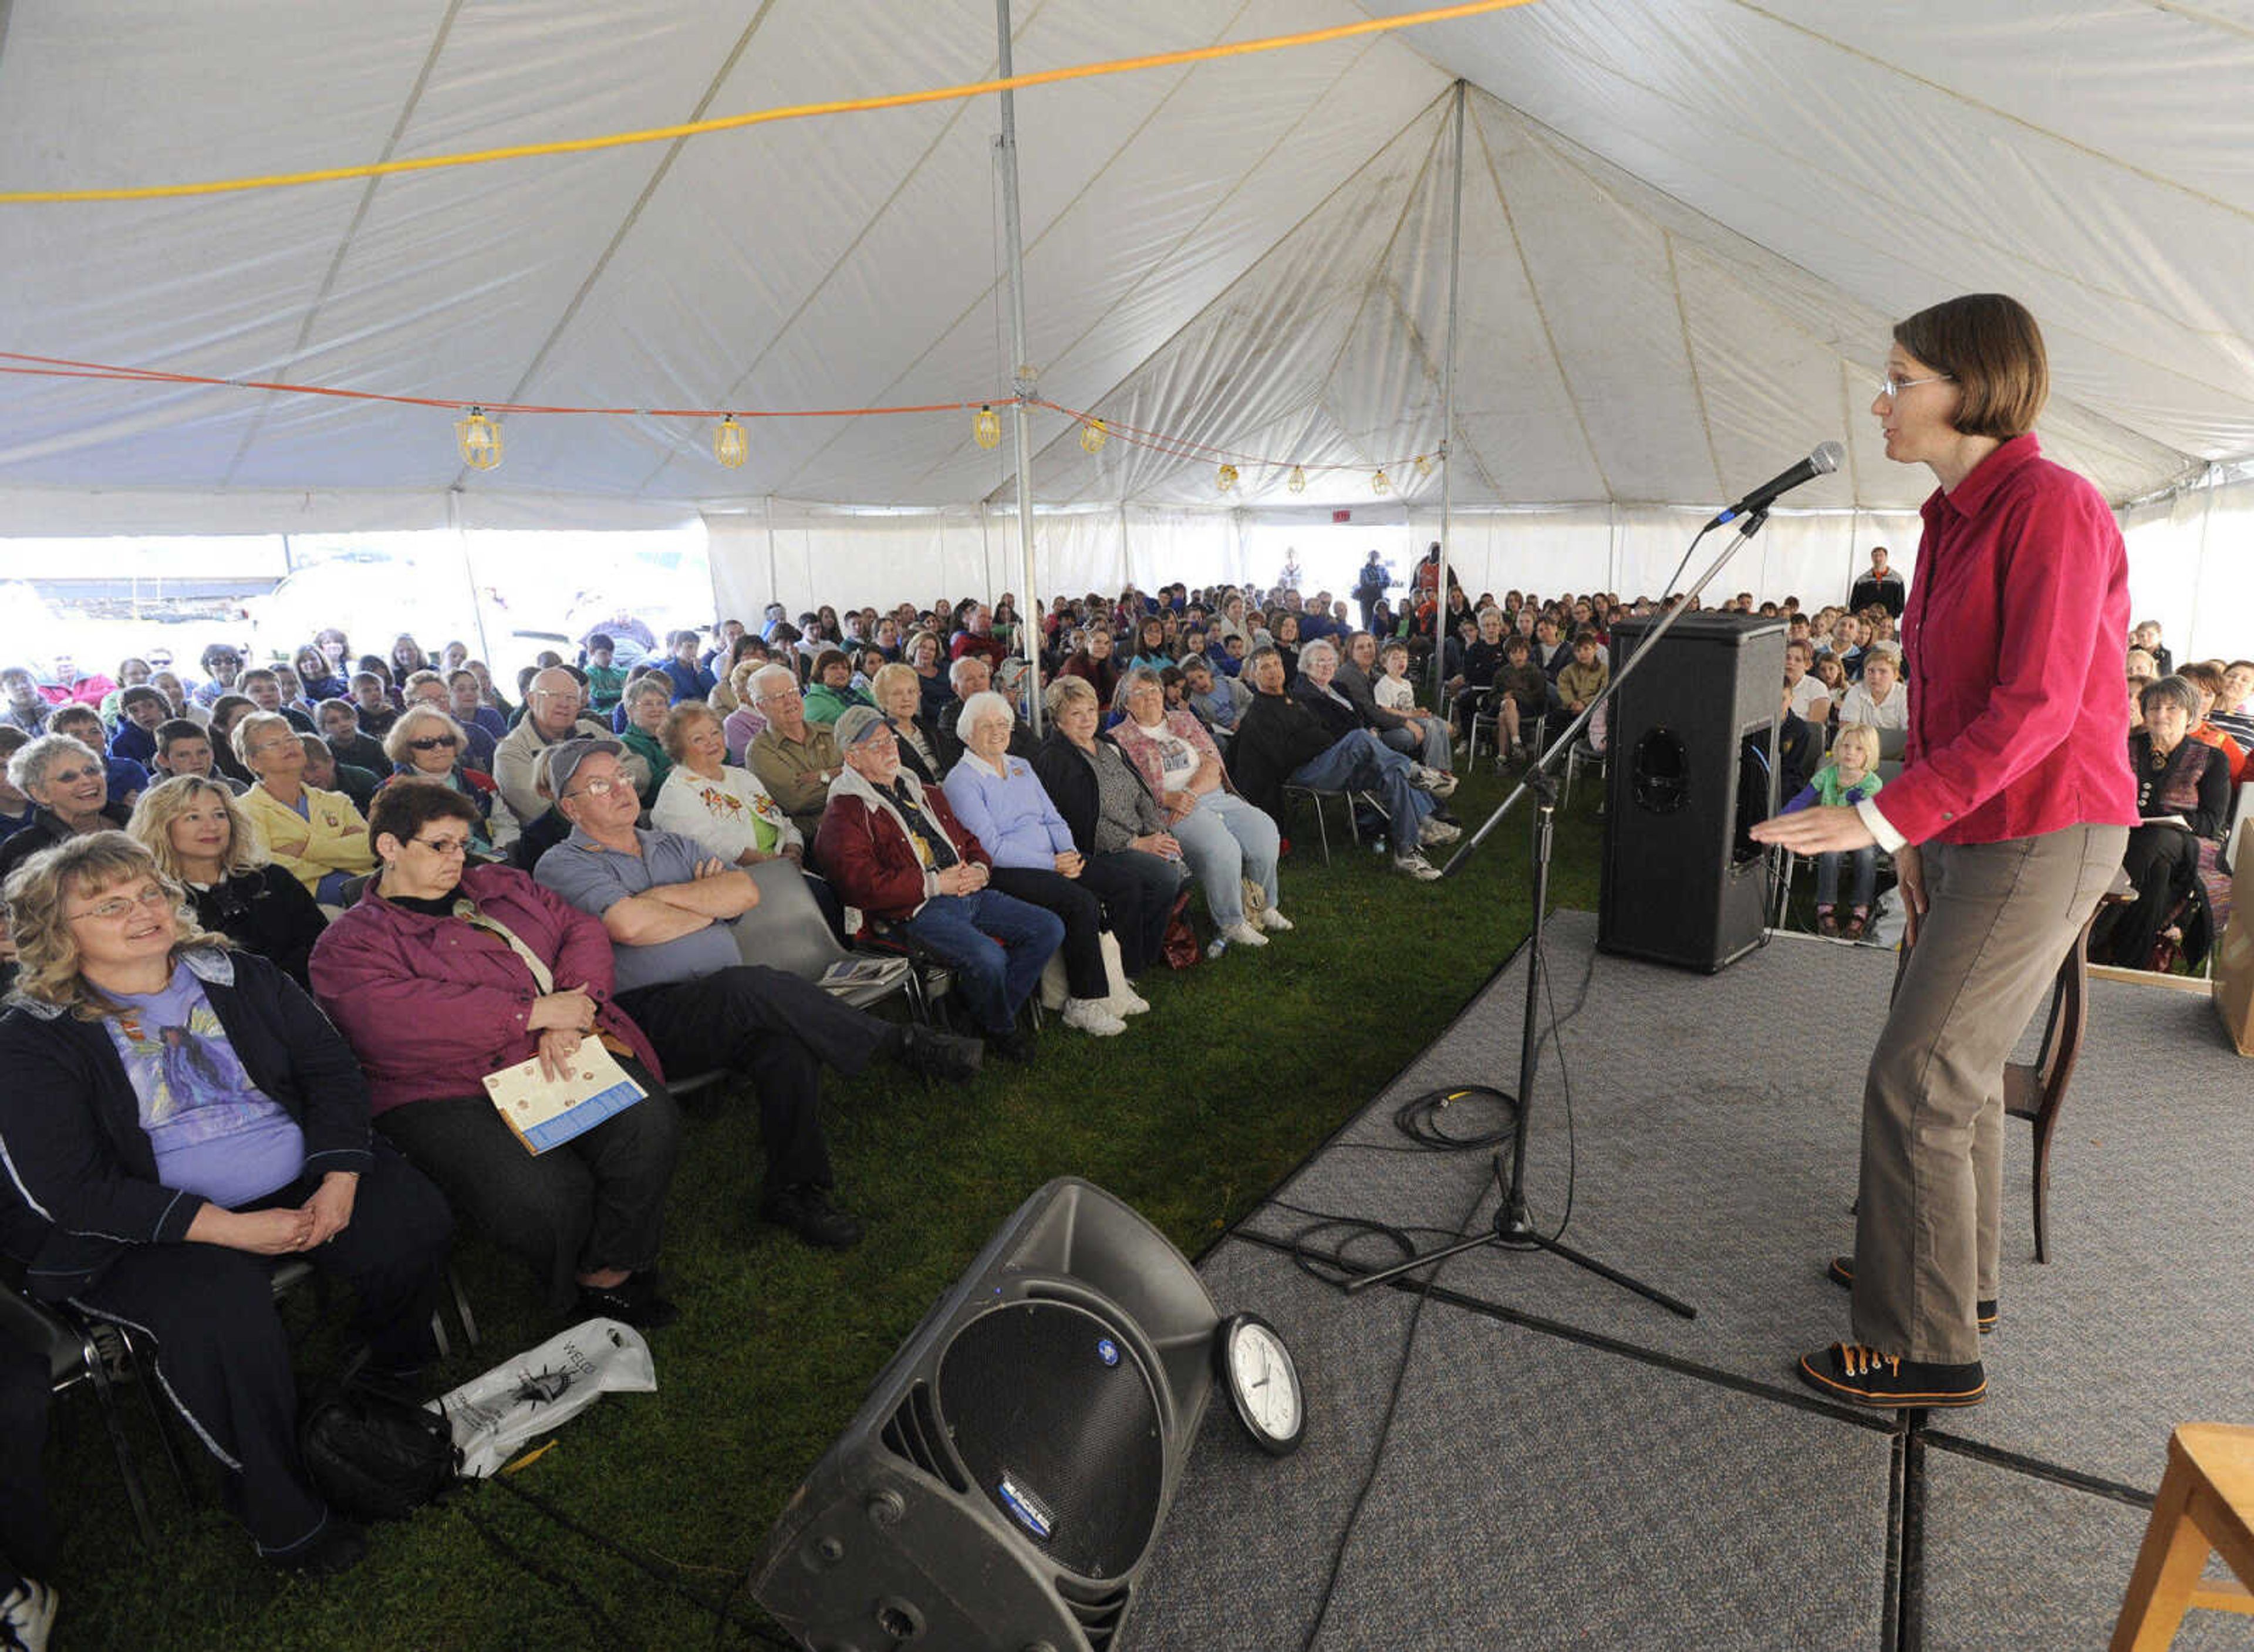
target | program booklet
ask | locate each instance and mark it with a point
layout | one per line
(544, 1112)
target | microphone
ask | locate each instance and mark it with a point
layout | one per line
(1822, 462)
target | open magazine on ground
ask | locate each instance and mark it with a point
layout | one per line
(862, 972)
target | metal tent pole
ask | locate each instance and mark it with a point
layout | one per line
(1021, 371)
(1448, 415)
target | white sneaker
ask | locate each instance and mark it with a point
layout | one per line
(1437, 832)
(1438, 781)
(1242, 934)
(1090, 1016)
(1127, 1002)
(28, 1613)
(1272, 920)
(1416, 866)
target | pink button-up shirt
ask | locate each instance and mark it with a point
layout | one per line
(2015, 638)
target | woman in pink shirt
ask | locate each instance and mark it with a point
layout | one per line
(2007, 824)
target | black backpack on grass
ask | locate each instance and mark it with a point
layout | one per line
(374, 1453)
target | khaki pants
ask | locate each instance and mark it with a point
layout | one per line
(2000, 919)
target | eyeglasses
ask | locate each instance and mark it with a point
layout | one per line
(71, 776)
(122, 908)
(432, 742)
(598, 789)
(1891, 387)
(783, 698)
(446, 848)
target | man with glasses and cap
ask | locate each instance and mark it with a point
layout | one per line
(666, 903)
(889, 845)
(552, 712)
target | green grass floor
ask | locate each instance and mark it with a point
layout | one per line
(1244, 1065)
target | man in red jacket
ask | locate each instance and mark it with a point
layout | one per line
(890, 846)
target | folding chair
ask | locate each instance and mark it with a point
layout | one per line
(74, 1356)
(1322, 828)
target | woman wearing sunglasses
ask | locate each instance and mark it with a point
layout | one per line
(427, 744)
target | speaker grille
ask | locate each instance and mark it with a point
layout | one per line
(912, 1433)
(1059, 1426)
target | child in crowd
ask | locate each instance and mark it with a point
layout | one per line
(1393, 691)
(606, 681)
(1581, 681)
(1849, 778)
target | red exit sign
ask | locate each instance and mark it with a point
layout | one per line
(1341, 515)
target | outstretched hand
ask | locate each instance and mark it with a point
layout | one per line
(1822, 830)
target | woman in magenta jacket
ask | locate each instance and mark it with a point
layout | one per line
(2006, 825)
(432, 995)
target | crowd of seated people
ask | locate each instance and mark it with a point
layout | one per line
(462, 882)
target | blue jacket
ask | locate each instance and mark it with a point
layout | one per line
(1013, 818)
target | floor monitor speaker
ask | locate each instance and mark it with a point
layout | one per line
(1005, 1477)
(1689, 764)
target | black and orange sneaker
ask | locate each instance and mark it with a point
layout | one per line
(1850, 1371)
(1841, 1273)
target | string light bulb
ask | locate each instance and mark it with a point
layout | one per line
(1226, 481)
(730, 446)
(1298, 481)
(478, 439)
(986, 428)
(1381, 483)
(1093, 436)
(1423, 465)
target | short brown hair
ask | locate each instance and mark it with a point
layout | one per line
(1990, 346)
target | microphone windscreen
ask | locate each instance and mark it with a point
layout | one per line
(1827, 458)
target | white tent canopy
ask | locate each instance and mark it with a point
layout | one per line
(1686, 226)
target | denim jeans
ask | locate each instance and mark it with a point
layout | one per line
(1866, 877)
(997, 947)
(1430, 748)
(1225, 840)
(1360, 762)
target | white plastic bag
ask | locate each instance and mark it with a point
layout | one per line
(493, 1415)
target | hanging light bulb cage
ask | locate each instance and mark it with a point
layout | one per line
(730, 446)
(1093, 435)
(1381, 483)
(1424, 465)
(986, 428)
(1298, 481)
(1226, 480)
(478, 439)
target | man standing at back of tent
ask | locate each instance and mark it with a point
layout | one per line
(1881, 587)
(1370, 588)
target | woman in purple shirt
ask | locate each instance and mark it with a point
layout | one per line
(178, 1115)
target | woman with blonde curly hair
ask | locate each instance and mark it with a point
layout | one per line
(200, 839)
(179, 1115)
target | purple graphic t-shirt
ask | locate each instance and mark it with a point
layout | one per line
(215, 1132)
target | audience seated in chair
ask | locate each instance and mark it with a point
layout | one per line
(200, 839)
(891, 847)
(68, 789)
(2183, 795)
(125, 1012)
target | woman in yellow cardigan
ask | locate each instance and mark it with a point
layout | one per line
(317, 837)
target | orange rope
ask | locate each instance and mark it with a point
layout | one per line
(62, 367)
(798, 111)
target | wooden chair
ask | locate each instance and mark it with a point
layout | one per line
(2206, 1505)
(2035, 1090)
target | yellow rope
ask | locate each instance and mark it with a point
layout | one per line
(762, 117)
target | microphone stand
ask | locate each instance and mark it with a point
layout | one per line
(1514, 1227)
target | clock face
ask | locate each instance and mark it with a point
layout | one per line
(1263, 1384)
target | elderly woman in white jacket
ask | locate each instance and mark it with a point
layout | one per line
(706, 797)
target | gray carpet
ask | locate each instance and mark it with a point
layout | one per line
(1712, 1153)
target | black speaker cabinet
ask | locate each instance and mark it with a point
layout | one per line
(1007, 1473)
(1690, 757)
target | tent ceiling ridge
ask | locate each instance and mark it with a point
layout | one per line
(1244, 274)
(1534, 293)
(1283, 140)
(257, 422)
(1690, 360)
(1571, 147)
(2159, 179)
(955, 112)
